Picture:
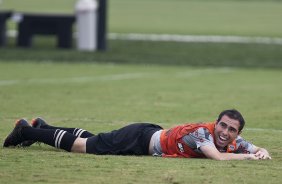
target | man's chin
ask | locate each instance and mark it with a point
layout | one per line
(221, 144)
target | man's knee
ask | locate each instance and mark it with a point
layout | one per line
(79, 145)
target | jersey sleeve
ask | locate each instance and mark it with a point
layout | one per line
(198, 138)
(244, 146)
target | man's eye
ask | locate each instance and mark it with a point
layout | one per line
(223, 125)
(233, 130)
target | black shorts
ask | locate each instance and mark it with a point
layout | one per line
(133, 139)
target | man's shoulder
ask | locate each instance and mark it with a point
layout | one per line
(202, 130)
(244, 146)
(207, 127)
(239, 139)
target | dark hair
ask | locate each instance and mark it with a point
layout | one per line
(233, 114)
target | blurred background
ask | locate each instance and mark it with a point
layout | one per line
(196, 17)
(189, 32)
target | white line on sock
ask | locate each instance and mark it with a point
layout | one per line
(81, 132)
(57, 138)
(60, 139)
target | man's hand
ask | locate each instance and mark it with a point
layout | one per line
(262, 154)
(212, 153)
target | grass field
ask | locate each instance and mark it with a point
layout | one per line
(146, 52)
(167, 83)
(102, 97)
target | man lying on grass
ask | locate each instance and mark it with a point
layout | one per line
(217, 140)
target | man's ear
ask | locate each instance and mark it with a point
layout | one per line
(216, 123)
(240, 132)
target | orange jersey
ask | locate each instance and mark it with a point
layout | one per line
(172, 143)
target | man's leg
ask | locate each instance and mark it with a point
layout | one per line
(42, 124)
(79, 145)
(78, 132)
(54, 137)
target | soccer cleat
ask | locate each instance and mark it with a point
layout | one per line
(15, 137)
(35, 123)
(38, 123)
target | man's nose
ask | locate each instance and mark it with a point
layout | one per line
(225, 131)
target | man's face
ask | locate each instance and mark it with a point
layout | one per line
(226, 130)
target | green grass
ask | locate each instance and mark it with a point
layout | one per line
(251, 18)
(142, 52)
(163, 82)
(102, 97)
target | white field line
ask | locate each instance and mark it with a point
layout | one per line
(263, 130)
(247, 129)
(85, 119)
(186, 38)
(84, 79)
(115, 77)
(204, 71)
(197, 39)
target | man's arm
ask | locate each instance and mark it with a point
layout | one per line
(212, 153)
(262, 153)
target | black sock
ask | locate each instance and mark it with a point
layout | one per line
(81, 133)
(53, 137)
(75, 131)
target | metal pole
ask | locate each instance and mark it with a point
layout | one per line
(102, 26)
